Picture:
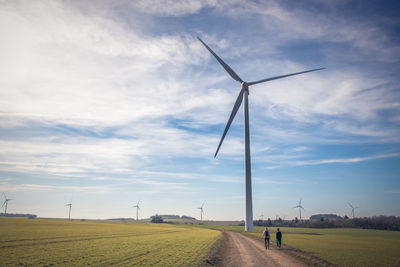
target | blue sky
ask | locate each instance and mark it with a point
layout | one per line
(111, 102)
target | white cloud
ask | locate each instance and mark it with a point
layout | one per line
(172, 7)
(8, 187)
(83, 70)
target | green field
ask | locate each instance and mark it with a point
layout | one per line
(344, 247)
(43, 242)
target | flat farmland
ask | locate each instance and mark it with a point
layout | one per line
(343, 247)
(42, 242)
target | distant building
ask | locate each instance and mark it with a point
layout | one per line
(166, 217)
(187, 217)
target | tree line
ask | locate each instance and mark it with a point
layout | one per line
(376, 222)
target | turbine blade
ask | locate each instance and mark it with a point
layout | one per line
(295, 207)
(238, 102)
(350, 205)
(202, 205)
(224, 65)
(3, 203)
(282, 76)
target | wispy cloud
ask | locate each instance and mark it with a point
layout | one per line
(394, 191)
(344, 160)
(269, 181)
(8, 187)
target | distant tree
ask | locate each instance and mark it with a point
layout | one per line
(346, 217)
(269, 222)
(296, 220)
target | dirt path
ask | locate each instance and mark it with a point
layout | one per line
(240, 250)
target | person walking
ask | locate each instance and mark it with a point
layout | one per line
(279, 238)
(266, 238)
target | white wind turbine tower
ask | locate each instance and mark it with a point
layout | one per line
(352, 209)
(201, 212)
(243, 96)
(5, 203)
(300, 207)
(137, 210)
(70, 206)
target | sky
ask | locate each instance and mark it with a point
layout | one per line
(105, 103)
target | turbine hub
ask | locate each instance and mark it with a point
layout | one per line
(245, 87)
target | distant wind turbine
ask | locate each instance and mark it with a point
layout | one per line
(5, 203)
(70, 206)
(137, 210)
(352, 209)
(262, 217)
(201, 212)
(300, 207)
(243, 95)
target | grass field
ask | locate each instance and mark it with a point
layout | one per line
(43, 242)
(344, 247)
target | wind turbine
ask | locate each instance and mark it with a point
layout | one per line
(70, 206)
(352, 209)
(5, 203)
(137, 210)
(243, 95)
(201, 212)
(300, 207)
(262, 217)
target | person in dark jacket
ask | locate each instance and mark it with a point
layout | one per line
(266, 237)
(279, 238)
